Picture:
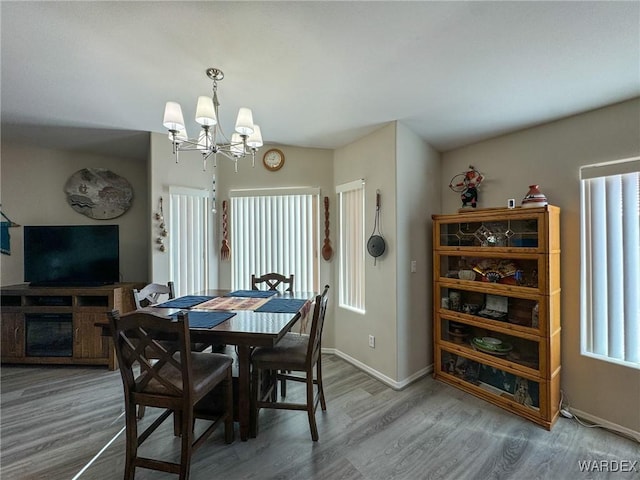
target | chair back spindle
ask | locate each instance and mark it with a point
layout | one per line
(272, 281)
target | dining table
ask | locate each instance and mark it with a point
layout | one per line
(245, 319)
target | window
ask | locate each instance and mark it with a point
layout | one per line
(189, 231)
(351, 246)
(610, 262)
(275, 230)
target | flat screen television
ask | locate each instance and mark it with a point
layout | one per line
(71, 255)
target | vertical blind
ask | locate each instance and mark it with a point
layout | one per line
(610, 262)
(352, 240)
(189, 233)
(277, 231)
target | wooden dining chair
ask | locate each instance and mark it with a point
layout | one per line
(153, 294)
(299, 354)
(272, 281)
(179, 381)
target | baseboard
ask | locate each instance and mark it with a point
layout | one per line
(601, 422)
(376, 374)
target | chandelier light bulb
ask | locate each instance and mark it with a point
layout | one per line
(173, 119)
(244, 123)
(255, 139)
(205, 113)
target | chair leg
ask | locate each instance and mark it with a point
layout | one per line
(177, 422)
(310, 410)
(131, 441)
(283, 384)
(141, 409)
(323, 404)
(186, 429)
(273, 384)
(228, 423)
(268, 385)
(253, 404)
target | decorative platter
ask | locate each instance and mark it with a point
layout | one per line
(491, 345)
(98, 193)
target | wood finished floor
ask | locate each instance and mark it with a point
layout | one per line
(56, 419)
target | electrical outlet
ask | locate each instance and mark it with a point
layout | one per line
(414, 266)
(372, 341)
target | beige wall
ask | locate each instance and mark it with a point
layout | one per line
(405, 170)
(163, 173)
(372, 158)
(32, 192)
(550, 155)
(418, 197)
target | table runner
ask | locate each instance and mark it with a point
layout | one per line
(206, 319)
(184, 302)
(233, 303)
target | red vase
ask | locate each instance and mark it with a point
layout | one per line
(534, 197)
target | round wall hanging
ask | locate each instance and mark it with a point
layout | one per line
(376, 244)
(98, 193)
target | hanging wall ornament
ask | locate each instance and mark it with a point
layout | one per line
(225, 251)
(327, 251)
(162, 227)
(376, 244)
(98, 193)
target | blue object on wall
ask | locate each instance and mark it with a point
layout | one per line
(5, 238)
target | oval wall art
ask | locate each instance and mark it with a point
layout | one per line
(98, 193)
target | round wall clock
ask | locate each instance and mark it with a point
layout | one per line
(273, 159)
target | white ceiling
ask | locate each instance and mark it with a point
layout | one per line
(316, 74)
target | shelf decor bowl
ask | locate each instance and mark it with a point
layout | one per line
(469, 275)
(488, 345)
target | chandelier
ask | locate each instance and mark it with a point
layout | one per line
(246, 140)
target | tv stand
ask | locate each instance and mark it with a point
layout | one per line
(57, 325)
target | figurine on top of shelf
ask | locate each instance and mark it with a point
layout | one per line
(467, 184)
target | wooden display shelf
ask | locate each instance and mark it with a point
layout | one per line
(527, 239)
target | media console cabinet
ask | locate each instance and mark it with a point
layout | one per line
(57, 325)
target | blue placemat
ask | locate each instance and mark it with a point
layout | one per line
(184, 302)
(206, 319)
(252, 293)
(282, 305)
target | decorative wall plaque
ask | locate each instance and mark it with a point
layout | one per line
(98, 193)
